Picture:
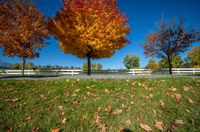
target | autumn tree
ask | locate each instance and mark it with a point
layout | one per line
(22, 29)
(152, 64)
(90, 29)
(194, 57)
(169, 40)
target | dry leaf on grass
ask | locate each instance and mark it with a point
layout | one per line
(137, 118)
(159, 125)
(185, 88)
(178, 122)
(128, 122)
(161, 103)
(55, 130)
(63, 120)
(118, 112)
(145, 127)
(190, 101)
(178, 96)
(60, 107)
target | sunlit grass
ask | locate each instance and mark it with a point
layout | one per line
(93, 105)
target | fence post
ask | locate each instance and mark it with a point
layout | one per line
(178, 71)
(193, 71)
(72, 72)
(133, 72)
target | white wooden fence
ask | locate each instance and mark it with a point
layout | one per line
(186, 70)
(174, 71)
(140, 71)
(34, 72)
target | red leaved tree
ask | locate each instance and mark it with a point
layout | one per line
(169, 40)
(22, 29)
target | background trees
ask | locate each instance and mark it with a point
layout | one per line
(152, 64)
(176, 62)
(22, 29)
(94, 67)
(169, 40)
(90, 28)
(194, 57)
(131, 61)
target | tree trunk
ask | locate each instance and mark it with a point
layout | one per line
(89, 66)
(23, 65)
(170, 66)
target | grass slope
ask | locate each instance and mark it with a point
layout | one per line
(95, 105)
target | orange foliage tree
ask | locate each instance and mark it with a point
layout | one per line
(90, 28)
(169, 41)
(22, 29)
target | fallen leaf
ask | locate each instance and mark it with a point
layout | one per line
(137, 118)
(55, 130)
(64, 120)
(60, 107)
(14, 100)
(118, 112)
(145, 127)
(190, 101)
(159, 125)
(178, 122)
(185, 88)
(106, 90)
(161, 103)
(173, 89)
(128, 122)
(76, 102)
(187, 110)
(178, 96)
(35, 129)
(109, 109)
(154, 111)
(28, 118)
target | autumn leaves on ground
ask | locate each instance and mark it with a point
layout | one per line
(100, 105)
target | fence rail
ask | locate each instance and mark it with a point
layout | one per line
(41, 72)
(113, 72)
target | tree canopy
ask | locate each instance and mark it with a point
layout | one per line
(194, 57)
(169, 40)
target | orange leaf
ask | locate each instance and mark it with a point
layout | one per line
(145, 127)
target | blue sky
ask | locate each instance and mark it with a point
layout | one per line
(142, 17)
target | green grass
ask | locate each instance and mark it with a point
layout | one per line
(89, 104)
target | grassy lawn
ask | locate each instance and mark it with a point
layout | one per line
(95, 105)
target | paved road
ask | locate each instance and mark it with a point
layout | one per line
(93, 77)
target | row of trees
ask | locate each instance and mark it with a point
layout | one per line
(32, 66)
(192, 60)
(89, 29)
(94, 67)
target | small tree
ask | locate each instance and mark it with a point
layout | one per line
(136, 61)
(169, 41)
(176, 62)
(131, 61)
(22, 29)
(194, 57)
(90, 29)
(152, 64)
(128, 61)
